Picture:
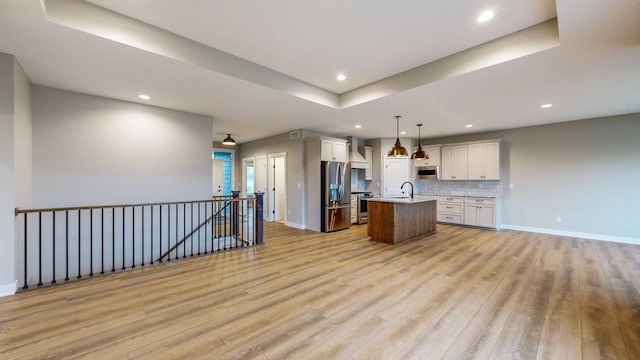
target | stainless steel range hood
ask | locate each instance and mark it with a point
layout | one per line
(356, 160)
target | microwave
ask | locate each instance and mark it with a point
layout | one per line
(431, 172)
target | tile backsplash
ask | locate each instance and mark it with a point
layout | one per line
(357, 180)
(460, 187)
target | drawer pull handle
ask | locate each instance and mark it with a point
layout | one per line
(449, 207)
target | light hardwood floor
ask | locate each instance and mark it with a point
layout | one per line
(460, 293)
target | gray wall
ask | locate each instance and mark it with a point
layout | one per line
(295, 169)
(92, 150)
(585, 171)
(15, 162)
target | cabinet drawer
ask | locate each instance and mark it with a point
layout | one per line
(450, 207)
(480, 200)
(450, 218)
(454, 199)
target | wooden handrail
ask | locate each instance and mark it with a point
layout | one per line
(26, 211)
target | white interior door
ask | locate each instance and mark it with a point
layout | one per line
(217, 177)
(276, 194)
(280, 192)
(395, 173)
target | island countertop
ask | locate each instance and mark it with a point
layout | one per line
(399, 200)
(393, 220)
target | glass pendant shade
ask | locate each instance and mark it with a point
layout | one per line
(228, 140)
(397, 150)
(419, 154)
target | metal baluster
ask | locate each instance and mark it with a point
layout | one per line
(123, 247)
(25, 286)
(53, 238)
(66, 215)
(224, 212)
(177, 249)
(168, 232)
(79, 239)
(102, 241)
(142, 236)
(184, 231)
(200, 230)
(160, 227)
(151, 235)
(91, 241)
(39, 248)
(133, 237)
(113, 239)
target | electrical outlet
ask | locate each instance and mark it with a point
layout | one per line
(510, 186)
(559, 218)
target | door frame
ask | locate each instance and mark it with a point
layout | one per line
(233, 167)
(246, 161)
(270, 179)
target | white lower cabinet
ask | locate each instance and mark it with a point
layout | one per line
(354, 209)
(450, 209)
(480, 211)
(467, 210)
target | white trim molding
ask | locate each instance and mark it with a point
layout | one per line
(8, 289)
(295, 225)
(590, 236)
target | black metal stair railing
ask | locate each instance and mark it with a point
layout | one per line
(74, 242)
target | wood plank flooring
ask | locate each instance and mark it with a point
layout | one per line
(461, 293)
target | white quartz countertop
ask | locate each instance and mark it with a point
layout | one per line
(472, 194)
(400, 200)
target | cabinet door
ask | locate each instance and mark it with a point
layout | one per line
(340, 152)
(483, 161)
(475, 161)
(395, 173)
(471, 215)
(487, 216)
(368, 155)
(480, 215)
(326, 151)
(491, 160)
(454, 162)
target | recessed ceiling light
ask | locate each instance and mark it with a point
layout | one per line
(358, 126)
(341, 77)
(403, 133)
(486, 16)
(144, 97)
(468, 125)
(546, 106)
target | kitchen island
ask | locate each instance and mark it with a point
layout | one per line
(393, 220)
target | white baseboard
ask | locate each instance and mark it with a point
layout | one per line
(8, 289)
(619, 239)
(294, 225)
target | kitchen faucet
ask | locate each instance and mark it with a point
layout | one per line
(402, 187)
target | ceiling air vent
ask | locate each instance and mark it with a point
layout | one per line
(294, 135)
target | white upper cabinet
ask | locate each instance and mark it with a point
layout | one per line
(334, 150)
(434, 157)
(454, 162)
(483, 161)
(368, 155)
(396, 172)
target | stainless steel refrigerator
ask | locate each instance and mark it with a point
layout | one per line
(336, 196)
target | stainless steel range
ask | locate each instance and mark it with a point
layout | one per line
(362, 207)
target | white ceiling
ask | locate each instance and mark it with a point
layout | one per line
(593, 72)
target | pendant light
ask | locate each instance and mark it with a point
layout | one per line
(419, 154)
(398, 150)
(228, 140)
